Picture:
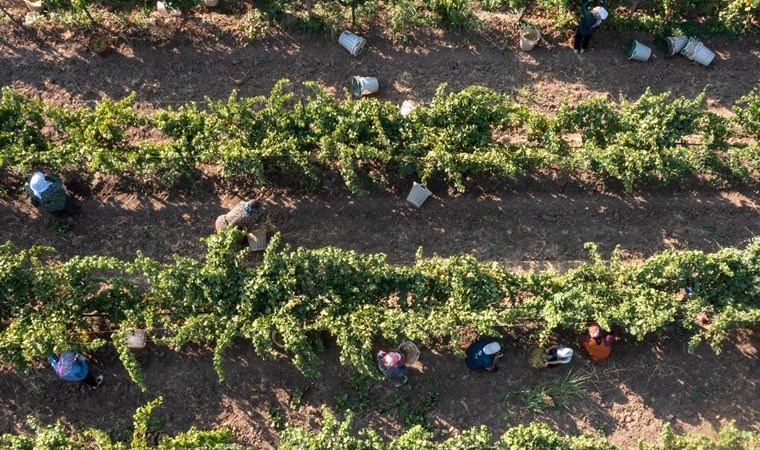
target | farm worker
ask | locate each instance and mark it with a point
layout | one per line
(244, 216)
(557, 355)
(48, 192)
(483, 355)
(393, 365)
(588, 25)
(70, 366)
(598, 344)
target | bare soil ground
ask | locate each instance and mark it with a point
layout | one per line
(529, 224)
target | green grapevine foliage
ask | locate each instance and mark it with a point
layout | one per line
(358, 300)
(53, 437)
(650, 141)
(340, 435)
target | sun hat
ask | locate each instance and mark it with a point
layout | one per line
(393, 359)
(38, 183)
(565, 354)
(492, 348)
(594, 331)
(600, 12)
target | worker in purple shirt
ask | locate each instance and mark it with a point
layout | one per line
(70, 366)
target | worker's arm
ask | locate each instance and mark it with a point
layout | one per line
(496, 359)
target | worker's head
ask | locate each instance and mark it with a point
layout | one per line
(565, 354)
(393, 359)
(600, 13)
(492, 348)
(594, 331)
(38, 183)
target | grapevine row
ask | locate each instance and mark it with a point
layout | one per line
(651, 141)
(340, 435)
(734, 17)
(358, 300)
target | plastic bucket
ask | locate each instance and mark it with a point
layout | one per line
(406, 108)
(638, 51)
(364, 86)
(257, 239)
(529, 37)
(351, 42)
(669, 46)
(137, 339)
(35, 6)
(418, 194)
(703, 55)
(210, 3)
(161, 7)
(690, 47)
(699, 53)
(277, 339)
(410, 351)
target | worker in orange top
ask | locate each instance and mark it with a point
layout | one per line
(598, 345)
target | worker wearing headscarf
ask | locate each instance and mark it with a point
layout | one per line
(588, 24)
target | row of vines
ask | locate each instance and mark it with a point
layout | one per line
(691, 17)
(359, 301)
(339, 435)
(650, 141)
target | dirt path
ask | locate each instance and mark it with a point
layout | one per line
(521, 228)
(629, 397)
(208, 57)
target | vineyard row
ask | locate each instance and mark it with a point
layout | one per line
(690, 17)
(339, 435)
(358, 301)
(651, 141)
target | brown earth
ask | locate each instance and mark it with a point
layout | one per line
(529, 224)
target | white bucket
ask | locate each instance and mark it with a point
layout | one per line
(638, 51)
(418, 194)
(410, 351)
(351, 42)
(35, 6)
(137, 339)
(406, 108)
(690, 47)
(257, 239)
(529, 37)
(701, 54)
(210, 3)
(676, 43)
(277, 339)
(364, 86)
(168, 11)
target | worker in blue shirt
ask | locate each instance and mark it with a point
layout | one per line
(483, 355)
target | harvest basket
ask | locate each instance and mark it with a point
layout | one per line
(537, 357)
